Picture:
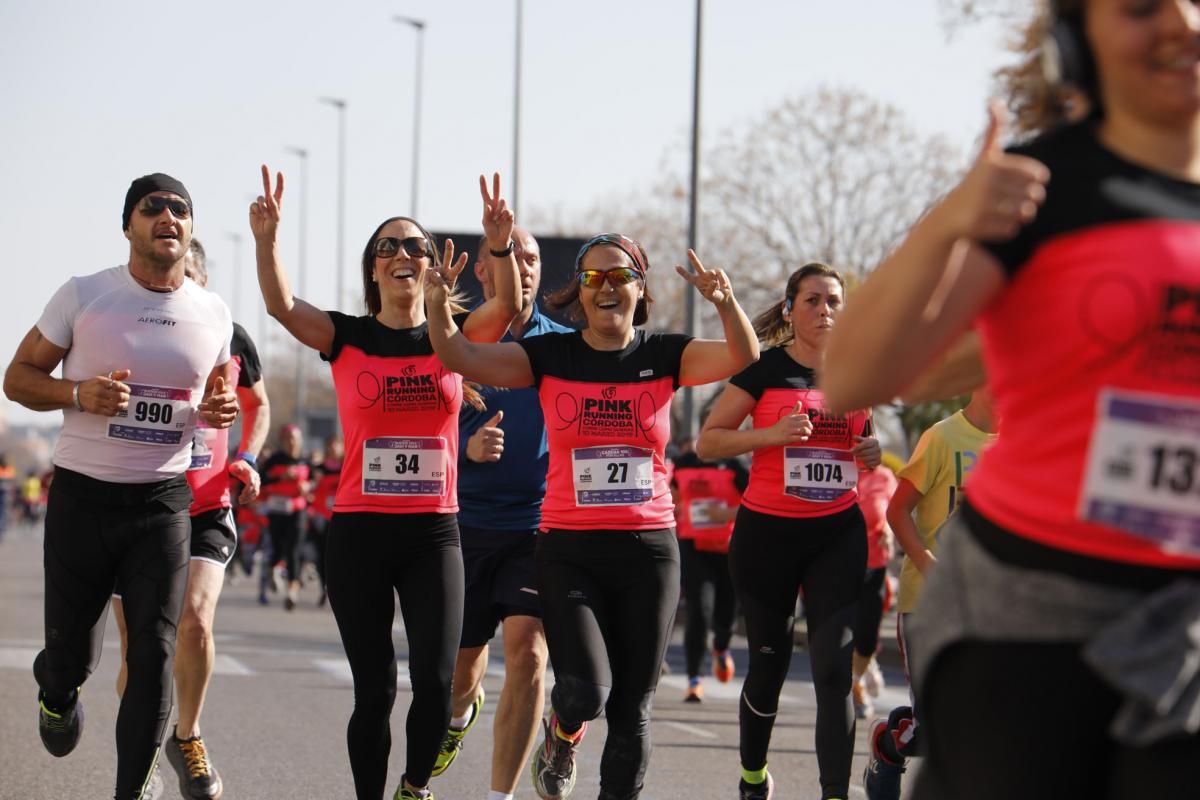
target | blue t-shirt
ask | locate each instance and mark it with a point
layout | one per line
(506, 495)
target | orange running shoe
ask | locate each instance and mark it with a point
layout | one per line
(723, 669)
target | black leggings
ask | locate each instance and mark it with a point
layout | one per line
(98, 533)
(870, 612)
(608, 603)
(369, 559)
(709, 601)
(1030, 720)
(285, 542)
(772, 558)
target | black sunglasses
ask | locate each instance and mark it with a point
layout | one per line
(153, 205)
(415, 246)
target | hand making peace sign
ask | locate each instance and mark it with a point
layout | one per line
(498, 218)
(264, 212)
(713, 284)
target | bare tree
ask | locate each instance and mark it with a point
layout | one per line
(959, 13)
(832, 175)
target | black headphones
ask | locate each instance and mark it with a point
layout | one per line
(1066, 57)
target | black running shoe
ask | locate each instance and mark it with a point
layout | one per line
(198, 778)
(757, 791)
(60, 728)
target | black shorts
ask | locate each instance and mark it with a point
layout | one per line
(501, 580)
(214, 536)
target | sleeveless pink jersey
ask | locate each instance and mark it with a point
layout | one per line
(207, 474)
(1093, 356)
(608, 421)
(399, 410)
(814, 478)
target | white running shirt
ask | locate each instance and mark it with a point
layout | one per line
(170, 341)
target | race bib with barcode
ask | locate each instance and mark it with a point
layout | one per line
(157, 415)
(404, 466)
(619, 475)
(1143, 468)
(818, 474)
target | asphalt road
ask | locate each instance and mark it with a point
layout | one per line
(279, 701)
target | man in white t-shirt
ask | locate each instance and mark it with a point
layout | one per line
(144, 354)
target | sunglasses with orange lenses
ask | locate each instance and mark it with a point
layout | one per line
(595, 278)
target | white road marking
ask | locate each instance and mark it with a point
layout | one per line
(228, 665)
(692, 729)
(723, 691)
(17, 657)
(339, 668)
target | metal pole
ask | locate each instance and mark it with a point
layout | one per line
(689, 400)
(419, 26)
(236, 238)
(340, 105)
(302, 284)
(515, 181)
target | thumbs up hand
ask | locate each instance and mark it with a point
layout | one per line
(1001, 192)
(794, 426)
(487, 443)
(219, 408)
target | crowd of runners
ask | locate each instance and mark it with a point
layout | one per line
(497, 471)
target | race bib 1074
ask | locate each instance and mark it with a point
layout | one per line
(818, 474)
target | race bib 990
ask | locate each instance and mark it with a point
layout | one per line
(156, 415)
(1143, 468)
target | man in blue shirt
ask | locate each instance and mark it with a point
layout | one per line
(501, 482)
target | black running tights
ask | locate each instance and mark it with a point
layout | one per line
(1001, 720)
(772, 558)
(98, 533)
(709, 602)
(608, 602)
(370, 558)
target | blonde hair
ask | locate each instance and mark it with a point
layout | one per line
(1039, 103)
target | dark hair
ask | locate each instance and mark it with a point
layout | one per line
(374, 302)
(567, 298)
(199, 258)
(1039, 100)
(371, 298)
(770, 326)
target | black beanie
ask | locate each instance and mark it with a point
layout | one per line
(148, 184)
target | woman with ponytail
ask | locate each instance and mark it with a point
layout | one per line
(799, 526)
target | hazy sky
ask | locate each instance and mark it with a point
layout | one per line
(97, 93)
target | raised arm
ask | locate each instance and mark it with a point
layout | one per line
(723, 437)
(489, 321)
(503, 365)
(928, 291)
(708, 360)
(309, 324)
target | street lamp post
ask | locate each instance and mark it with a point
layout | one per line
(692, 327)
(302, 284)
(515, 181)
(340, 105)
(419, 27)
(236, 298)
